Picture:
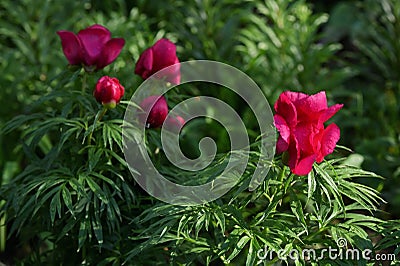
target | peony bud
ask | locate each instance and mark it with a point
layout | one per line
(158, 112)
(108, 91)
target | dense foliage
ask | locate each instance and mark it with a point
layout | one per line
(67, 196)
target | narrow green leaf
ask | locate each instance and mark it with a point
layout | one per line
(83, 233)
(219, 215)
(96, 189)
(238, 247)
(67, 199)
(98, 230)
(297, 210)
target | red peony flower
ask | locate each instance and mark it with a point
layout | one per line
(300, 121)
(92, 47)
(157, 108)
(108, 91)
(161, 55)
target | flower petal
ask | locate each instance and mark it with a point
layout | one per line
(99, 27)
(285, 108)
(93, 40)
(71, 47)
(110, 52)
(314, 103)
(304, 133)
(284, 133)
(299, 162)
(281, 145)
(157, 109)
(310, 107)
(294, 153)
(329, 139)
(304, 166)
(174, 72)
(144, 65)
(328, 113)
(164, 54)
(295, 96)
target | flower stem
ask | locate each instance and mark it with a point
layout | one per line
(3, 232)
(97, 119)
(84, 81)
(103, 112)
(84, 85)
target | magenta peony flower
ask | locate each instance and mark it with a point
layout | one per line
(300, 121)
(93, 47)
(108, 91)
(161, 55)
(157, 113)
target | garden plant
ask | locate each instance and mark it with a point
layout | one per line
(200, 132)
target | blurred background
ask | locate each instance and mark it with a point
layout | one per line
(350, 49)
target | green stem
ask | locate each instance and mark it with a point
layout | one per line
(84, 255)
(282, 176)
(84, 84)
(3, 233)
(97, 119)
(84, 81)
(103, 112)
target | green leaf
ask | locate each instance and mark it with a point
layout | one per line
(67, 199)
(199, 223)
(96, 224)
(55, 206)
(83, 232)
(220, 217)
(297, 210)
(96, 189)
(252, 254)
(238, 247)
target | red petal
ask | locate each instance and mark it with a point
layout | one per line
(299, 163)
(98, 27)
(304, 134)
(158, 111)
(304, 165)
(309, 108)
(329, 139)
(119, 90)
(174, 72)
(93, 40)
(328, 113)
(110, 52)
(294, 96)
(71, 47)
(294, 153)
(164, 54)
(281, 145)
(284, 133)
(314, 103)
(285, 108)
(144, 65)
